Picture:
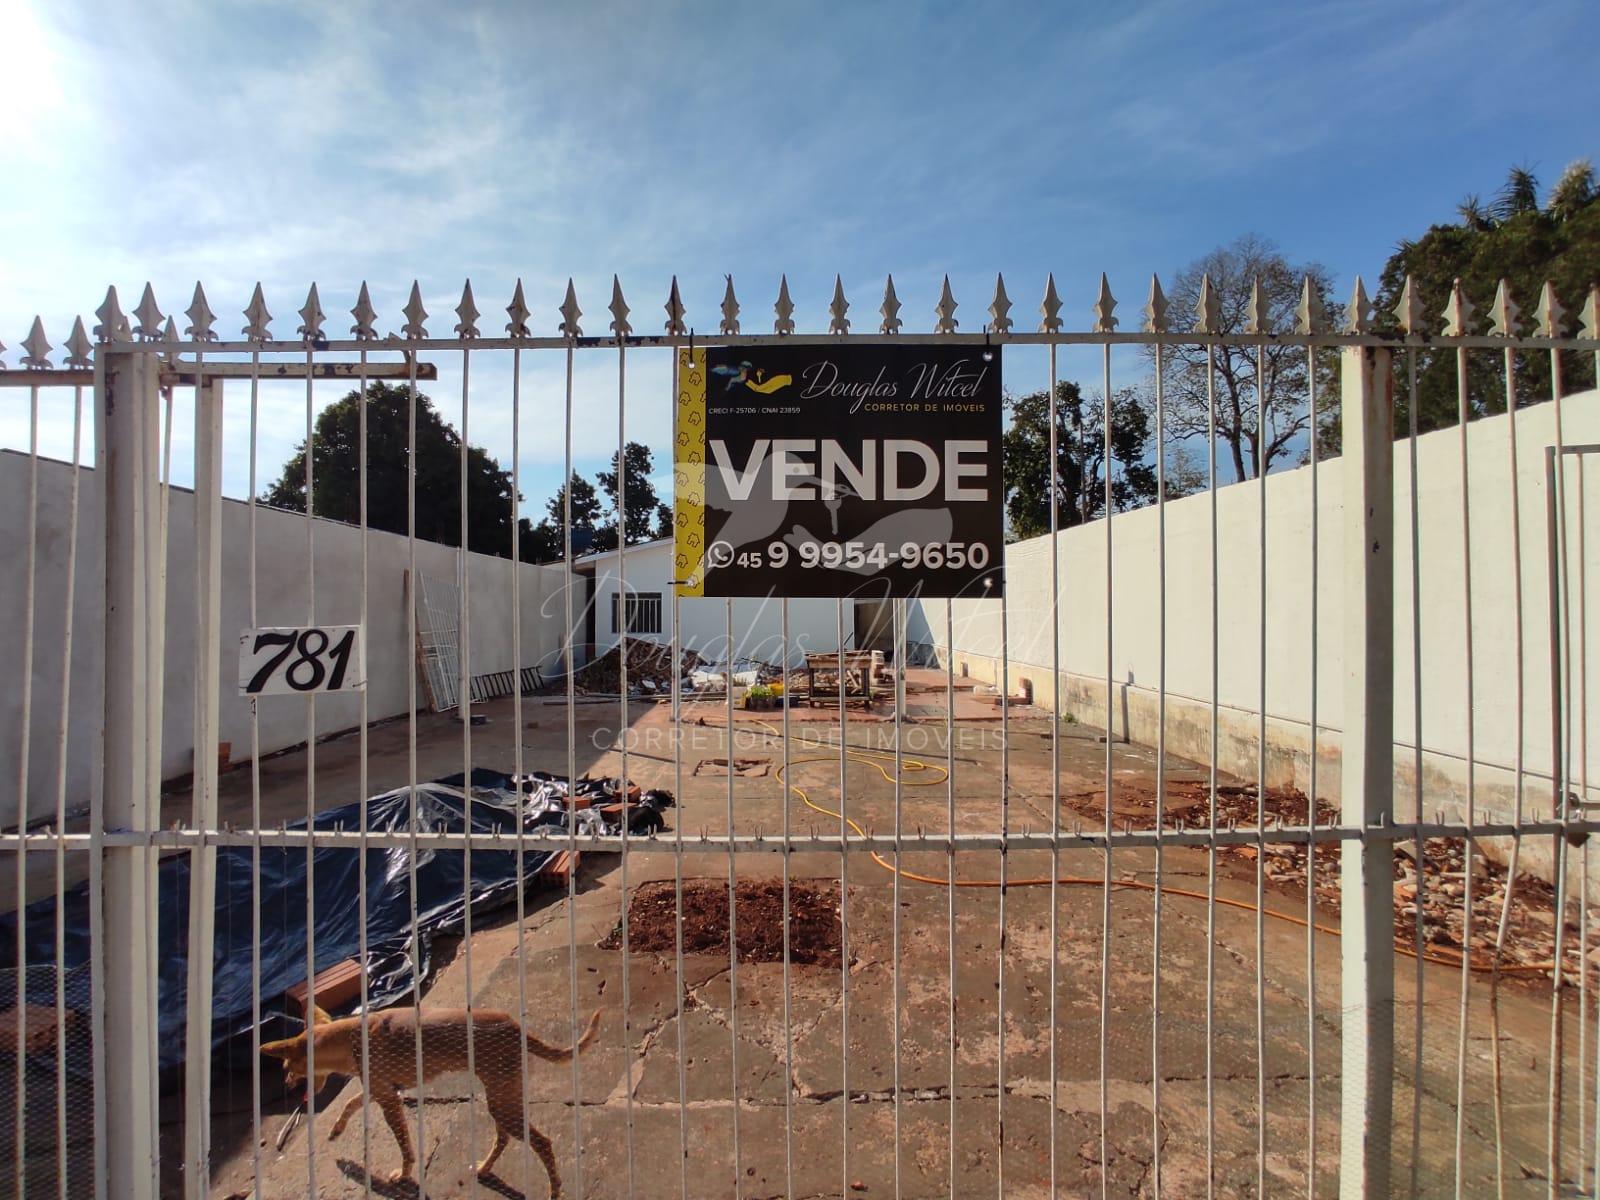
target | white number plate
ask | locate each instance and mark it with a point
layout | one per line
(304, 659)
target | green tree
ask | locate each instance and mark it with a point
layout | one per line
(1234, 270)
(336, 478)
(1078, 482)
(545, 542)
(643, 503)
(1524, 246)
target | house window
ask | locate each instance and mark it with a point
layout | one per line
(644, 612)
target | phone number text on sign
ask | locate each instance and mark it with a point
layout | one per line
(300, 660)
(852, 556)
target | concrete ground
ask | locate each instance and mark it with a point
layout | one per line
(818, 1104)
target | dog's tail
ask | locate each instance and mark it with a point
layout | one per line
(562, 1053)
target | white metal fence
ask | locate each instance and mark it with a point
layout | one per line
(1052, 1072)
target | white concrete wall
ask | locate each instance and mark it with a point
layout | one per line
(757, 624)
(1290, 639)
(282, 600)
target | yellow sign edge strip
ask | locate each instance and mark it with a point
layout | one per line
(689, 475)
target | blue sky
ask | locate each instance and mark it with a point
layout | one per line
(236, 142)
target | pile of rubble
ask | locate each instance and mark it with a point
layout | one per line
(1440, 877)
(649, 670)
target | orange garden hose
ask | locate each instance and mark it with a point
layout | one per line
(878, 760)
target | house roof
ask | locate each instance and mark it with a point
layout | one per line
(593, 559)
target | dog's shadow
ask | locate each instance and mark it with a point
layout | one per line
(407, 1189)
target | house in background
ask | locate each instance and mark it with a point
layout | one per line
(646, 605)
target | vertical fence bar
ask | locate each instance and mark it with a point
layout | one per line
(203, 858)
(516, 721)
(788, 1002)
(1419, 933)
(20, 995)
(1367, 770)
(572, 774)
(256, 1140)
(1463, 411)
(1311, 800)
(681, 362)
(129, 395)
(733, 909)
(311, 782)
(1055, 763)
(1261, 774)
(844, 911)
(361, 777)
(899, 606)
(950, 862)
(1556, 511)
(61, 799)
(1105, 889)
(1161, 765)
(1211, 848)
(464, 711)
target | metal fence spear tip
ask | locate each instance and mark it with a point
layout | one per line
(1408, 308)
(37, 347)
(837, 307)
(730, 308)
(619, 310)
(890, 308)
(415, 314)
(258, 319)
(1458, 312)
(517, 310)
(1258, 320)
(1358, 318)
(467, 311)
(201, 318)
(1155, 308)
(784, 308)
(1208, 308)
(1503, 313)
(570, 312)
(1547, 317)
(111, 319)
(149, 316)
(675, 311)
(79, 347)
(1105, 305)
(1050, 307)
(312, 317)
(945, 310)
(1000, 307)
(365, 315)
(1589, 318)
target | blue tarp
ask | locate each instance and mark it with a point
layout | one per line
(281, 900)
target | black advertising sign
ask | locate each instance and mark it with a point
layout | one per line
(839, 470)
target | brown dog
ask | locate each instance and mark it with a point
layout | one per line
(498, 1044)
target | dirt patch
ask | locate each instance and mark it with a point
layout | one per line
(813, 920)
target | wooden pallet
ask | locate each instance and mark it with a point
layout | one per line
(333, 988)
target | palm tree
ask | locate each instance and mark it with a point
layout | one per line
(1520, 194)
(1474, 214)
(1573, 191)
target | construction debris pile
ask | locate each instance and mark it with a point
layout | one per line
(598, 804)
(649, 670)
(1528, 948)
